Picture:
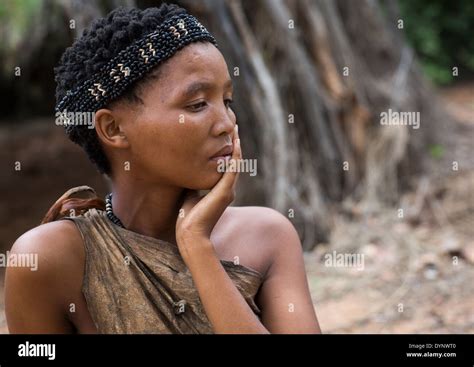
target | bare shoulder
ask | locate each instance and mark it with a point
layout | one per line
(259, 234)
(56, 252)
(284, 296)
(54, 243)
(44, 272)
(265, 225)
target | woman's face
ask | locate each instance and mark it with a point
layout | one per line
(185, 119)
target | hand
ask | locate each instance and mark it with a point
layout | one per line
(202, 213)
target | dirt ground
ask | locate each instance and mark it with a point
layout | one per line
(417, 274)
(415, 279)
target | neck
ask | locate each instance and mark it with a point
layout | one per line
(151, 211)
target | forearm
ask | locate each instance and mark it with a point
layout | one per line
(224, 305)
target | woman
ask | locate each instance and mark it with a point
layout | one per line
(159, 259)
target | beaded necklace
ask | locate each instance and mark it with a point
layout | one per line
(110, 213)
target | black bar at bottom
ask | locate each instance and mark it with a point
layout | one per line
(319, 350)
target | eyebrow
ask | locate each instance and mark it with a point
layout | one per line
(196, 87)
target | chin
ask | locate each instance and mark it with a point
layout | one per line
(208, 181)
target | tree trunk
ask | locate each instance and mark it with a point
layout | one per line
(313, 78)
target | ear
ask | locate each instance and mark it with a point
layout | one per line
(109, 129)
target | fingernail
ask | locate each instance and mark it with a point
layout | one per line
(237, 128)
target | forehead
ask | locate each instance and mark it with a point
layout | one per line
(196, 61)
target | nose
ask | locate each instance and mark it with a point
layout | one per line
(225, 122)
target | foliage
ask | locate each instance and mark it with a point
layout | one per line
(441, 31)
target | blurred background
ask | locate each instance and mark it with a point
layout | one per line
(312, 78)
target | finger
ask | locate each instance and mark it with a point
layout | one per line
(237, 156)
(229, 179)
(224, 188)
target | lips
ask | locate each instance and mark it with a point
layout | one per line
(226, 151)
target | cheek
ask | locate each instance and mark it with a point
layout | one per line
(175, 152)
(190, 162)
(164, 146)
(161, 148)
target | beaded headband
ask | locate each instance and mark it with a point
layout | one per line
(132, 63)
